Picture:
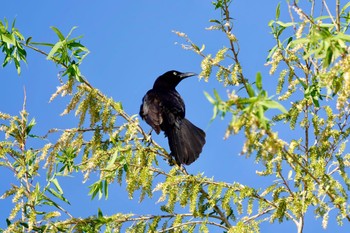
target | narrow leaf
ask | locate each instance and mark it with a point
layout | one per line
(58, 195)
(216, 94)
(250, 90)
(58, 33)
(112, 160)
(278, 10)
(258, 81)
(42, 44)
(209, 98)
(57, 185)
(71, 31)
(54, 50)
(99, 213)
(344, 8)
(273, 104)
(105, 184)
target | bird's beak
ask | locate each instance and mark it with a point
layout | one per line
(186, 75)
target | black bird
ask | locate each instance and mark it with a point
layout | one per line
(163, 109)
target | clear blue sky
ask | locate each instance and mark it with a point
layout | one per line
(131, 43)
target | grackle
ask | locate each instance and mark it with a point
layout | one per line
(164, 110)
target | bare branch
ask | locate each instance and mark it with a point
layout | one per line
(330, 14)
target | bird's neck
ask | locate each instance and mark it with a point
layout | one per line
(163, 87)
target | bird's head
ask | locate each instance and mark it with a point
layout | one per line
(170, 79)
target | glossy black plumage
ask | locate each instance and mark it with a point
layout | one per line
(164, 110)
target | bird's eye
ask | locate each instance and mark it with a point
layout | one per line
(174, 73)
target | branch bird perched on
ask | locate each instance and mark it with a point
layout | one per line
(164, 110)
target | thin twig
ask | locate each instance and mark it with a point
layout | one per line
(251, 218)
(330, 14)
(337, 12)
(291, 16)
(193, 223)
(286, 184)
(233, 48)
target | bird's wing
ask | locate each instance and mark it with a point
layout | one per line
(173, 108)
(151, 110)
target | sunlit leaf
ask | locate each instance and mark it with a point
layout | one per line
(54, 49)
(273, 104)
(258, 81)
(58, 33)
(278, 10)
(250, 90)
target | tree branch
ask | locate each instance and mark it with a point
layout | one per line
(337, 12)
(330, 14)
(193, 223)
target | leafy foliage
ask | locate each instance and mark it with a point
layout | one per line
(310, 167)
(10, 42)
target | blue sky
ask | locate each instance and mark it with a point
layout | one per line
(131, 43)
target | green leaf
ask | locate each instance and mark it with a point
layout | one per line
(250, 90)
(273, 104)
(57, 185)
(246, 100)
(302, 83)
(217, 4)
(99, 188)
(8, 222)
(54, 49)
(13, 23)
(125, 167)
(215, 21)
(99, 213)
(58, 33)
(17, 65)
(28, 40)
(74, 71)
(278, 10)
(344, 8)
(112, 160)
(31, 124)
(215, 112)
(217, 96)
(8, 38)
(70, 32)
(21, 52)
(58, 195)
(271, 52)
(94, 189)
(328, 58)
(258, 81)
(202, 48)
(24, 224)
(105, 184)
(209, 98)
(196, 48)
(343, 36)
(51, 203)
(285, 25)
(261, 117)
(42, 44)
(297, 42)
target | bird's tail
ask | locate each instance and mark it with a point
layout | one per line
(186, 142)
